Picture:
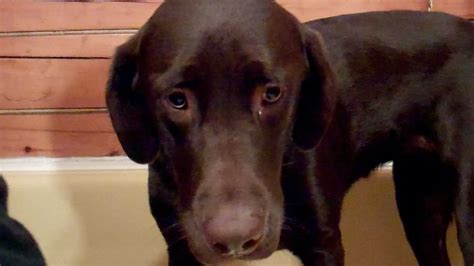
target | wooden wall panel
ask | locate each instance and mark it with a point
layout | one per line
(37, 16)
(57, 135)
(75, 16)
(312, 9)
(40, 16)
(77, 45)
(55, 55)
(52, 83)
(463, 8)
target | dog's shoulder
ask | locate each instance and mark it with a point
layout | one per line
(364, 41)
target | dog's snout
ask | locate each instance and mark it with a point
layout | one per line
(234, 231)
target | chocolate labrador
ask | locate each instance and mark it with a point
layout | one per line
(254, 126)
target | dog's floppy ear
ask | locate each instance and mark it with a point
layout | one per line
(127, 106)
(317, 95)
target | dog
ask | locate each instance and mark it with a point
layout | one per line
(254, 126)
(17, 245)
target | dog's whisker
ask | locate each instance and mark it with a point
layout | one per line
(176, 226)
(291, 224)
(176, 241)
(286, 228)
(293, 204)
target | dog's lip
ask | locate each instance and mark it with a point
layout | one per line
(259, 253)
(263, 252)
(254, 255)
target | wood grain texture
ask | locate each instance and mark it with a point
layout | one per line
(57, 135)
(37, 16)
(463, 8)
(82, 45)
(48, 16)
(52, 83)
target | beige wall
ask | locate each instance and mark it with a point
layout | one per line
(102, 218)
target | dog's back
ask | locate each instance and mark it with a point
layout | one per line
(403, 31)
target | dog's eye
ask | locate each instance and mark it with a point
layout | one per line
(272, 94)
(178, 100)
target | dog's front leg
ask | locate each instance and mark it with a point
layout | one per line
(464, 210)
(312, 214)
(319, 241)
(327, 244)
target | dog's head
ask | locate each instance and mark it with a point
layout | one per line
(219, 89)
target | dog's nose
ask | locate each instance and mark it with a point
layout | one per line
(234, 231)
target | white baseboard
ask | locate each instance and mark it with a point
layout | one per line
(80, 163)
(69, 164)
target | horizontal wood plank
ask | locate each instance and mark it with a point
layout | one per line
(463, 8)
(81, 45)
(50, 16)
(37, 16)
(57, 135)
(52, 83)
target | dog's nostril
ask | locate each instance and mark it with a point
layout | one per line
(221, 248)
(250, 244)
(236, 249)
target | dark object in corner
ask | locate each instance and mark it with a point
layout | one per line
(17, 245)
